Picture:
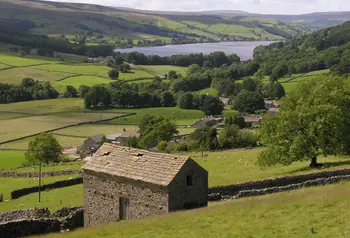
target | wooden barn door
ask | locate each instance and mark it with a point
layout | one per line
(124, 209)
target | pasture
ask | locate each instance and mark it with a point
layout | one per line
(19, 61)
(308, 212)
(180, 116)
(45, 106)
(225, 167)
(83, 69)
(15, 75)
(80, 80)
(95, 129)
(20, 127)
(2, 66)
(53, 199)
(210, 91)
(11, 159)
(164, 69)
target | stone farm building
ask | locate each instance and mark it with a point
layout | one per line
(92, 144)
(122, 183)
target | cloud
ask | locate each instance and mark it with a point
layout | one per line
(257, 6)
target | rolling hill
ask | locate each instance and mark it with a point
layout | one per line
(93, 24)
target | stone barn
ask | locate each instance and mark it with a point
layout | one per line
(122, 183)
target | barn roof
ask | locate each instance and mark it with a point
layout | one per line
(135, 164)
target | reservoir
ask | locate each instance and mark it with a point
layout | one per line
(243, 49)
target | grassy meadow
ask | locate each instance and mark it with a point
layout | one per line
(180, 116)
(164, 69)
(11, 159)
(308, 212)
(14, 60)
(95, 129)
(53, 199)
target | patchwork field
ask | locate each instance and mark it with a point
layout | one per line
(91, 130)
(16, 128)
(15, 75)
(80, 80)
(278, 215)
(210, 91)
(2, 66)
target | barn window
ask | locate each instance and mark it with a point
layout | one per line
(189, 180)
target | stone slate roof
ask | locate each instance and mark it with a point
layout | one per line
(97, 138)
(127, 134)
(135, 164)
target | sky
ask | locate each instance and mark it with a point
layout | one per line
(254, 6)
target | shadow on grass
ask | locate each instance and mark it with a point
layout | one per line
(325, 165)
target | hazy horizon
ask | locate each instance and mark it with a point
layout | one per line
(282, 7)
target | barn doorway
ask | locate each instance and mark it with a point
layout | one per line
(124, 209)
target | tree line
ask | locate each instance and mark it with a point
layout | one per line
(28, 90)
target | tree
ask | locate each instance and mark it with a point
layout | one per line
(313, 121)
(43, 149)
(249, 102)
(70, 92)
(154, 129)
(172, 74)
(212, 139)
(167, 99)
(193, 69)
(113, 74)
(212, 106)
(28, 82)
(83, 90)
(185, 101)
(219, 58)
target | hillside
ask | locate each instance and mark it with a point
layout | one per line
(92, 24)
(279, 215)
(328, 48)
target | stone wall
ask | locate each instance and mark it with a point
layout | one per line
(276, 184)
(102, 194)
(31, 213)
(36, 174)
(58, 184)
(39, 221)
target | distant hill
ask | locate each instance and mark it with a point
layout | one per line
(125, 27)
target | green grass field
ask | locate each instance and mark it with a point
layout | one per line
(50, 167)
(91, 130)
(80, 80)
(210, 91)
(87, 69)
(181, 116)
(20, 127)
(2, 66)
(15, 75)
(164, 69)
(234, 166)
(11, 159)
(309, 212)
(45, 106)
(7, 116)
(53, 199)
(18, 61)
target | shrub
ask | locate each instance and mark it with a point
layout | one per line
(182, 146)
(162, 146)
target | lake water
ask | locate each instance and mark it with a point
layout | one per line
(243, 49)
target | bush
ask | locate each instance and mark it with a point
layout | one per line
(162, 146)
(113, 74)
(246, 138)
(182, 146)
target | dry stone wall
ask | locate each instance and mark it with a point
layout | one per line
(261, 187)
(39, 221)
(36, 174)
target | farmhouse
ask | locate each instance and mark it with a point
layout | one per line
(122, 183)
(91, 144)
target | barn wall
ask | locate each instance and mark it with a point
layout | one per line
(182, 196)
(102, 193)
